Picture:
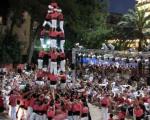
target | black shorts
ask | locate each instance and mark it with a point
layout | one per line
(70, 113)
(63, 81)
(84, 115)
(76, 113)
(50, 118)
(53, 82)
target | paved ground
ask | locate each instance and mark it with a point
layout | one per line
(3, 116)
(96, 113)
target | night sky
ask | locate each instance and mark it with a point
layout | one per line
(116, 6)
(121, 6)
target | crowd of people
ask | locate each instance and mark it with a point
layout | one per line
(38, 95)
(54, 92)
(118, 90)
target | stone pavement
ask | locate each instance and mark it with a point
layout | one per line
(3, 116)
(96, 113)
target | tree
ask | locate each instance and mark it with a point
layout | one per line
(85, 21)
(138, 23)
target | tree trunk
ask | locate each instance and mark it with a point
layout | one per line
(140, 45)
(32, 42)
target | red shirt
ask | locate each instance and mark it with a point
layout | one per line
(61, 17)
(45, 107)
(54, 15)
(40, 74)
(32, 102)
(63, 77)
(26, 103)
(54, 55)
(121, 115)
(61, 35)
(69, 106)
(50, 113)
(77, 107)
(85, 110)
(53, 34)
(52, 77)
(42, 53)
(138, 112)
(105, 102)
(13, 100)
(62, 55)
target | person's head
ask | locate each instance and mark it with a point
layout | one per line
(111, 115)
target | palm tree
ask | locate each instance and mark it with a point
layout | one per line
(139, 22)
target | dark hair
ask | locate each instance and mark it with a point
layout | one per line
(111, 115)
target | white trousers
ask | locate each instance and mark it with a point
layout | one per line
(33, 116)
(84, 118)
(62, 65)
(48, 43)
(61, 25)
(40, 63)
(53, 86)
(12, 112)
(53, 43)
(63, 85)
(104, 113)
(22, 114)
(29, 112)
(62, 42)
(49, 64)
(76, 117)
(42, 42)
(44, 117)
(53, 68)
(54, 23)
(70, 118)
(47, 23)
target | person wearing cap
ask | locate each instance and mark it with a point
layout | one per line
(40, 58)
(54, 56)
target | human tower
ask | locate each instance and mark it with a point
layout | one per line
(52, 37)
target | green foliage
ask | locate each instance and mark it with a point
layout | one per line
(85, 20)
(137, 23)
